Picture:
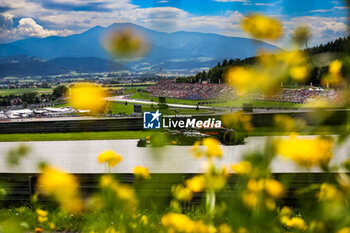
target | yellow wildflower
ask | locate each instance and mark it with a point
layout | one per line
(299, 73)
(111, 230)
(144, 219)
(245, 80)
(122, 191)
(344, 230)
(306, 151)
(87, 96)
(238, 121)
(109, 157)
(262, 27)
(38, 230)
(141, 172)
(255, 186)
(181, 192)
(270, 203)
(41, 212)
(243, 167)
(335, 76)
(181, 223)
(297, 223)
(42, 219)
(335, 67)
(52, 226)
(274, 188)
(250, 199)
(62, 186)
(224, 228)
(196, 183)
(211, 148)
(242, 230)
(329, 192)
(286, 211)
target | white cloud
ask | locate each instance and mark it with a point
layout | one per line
(264, 4)
(323, 29)
(27, 27)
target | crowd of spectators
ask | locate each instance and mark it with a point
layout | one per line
(205, 91)
(300, 96)
(194, 91)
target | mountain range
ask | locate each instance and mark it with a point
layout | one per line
(182, 51)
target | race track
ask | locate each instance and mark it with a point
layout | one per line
(81, 156)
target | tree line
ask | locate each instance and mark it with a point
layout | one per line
(32, 97)
(216, 74)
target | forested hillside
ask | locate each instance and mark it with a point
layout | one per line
(215, 74)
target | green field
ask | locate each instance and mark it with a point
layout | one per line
(74, 136)
(20, 91)
(118, 108)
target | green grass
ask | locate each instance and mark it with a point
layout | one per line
(117, 108)
(75, 136)
(20, 91)
(146, 96)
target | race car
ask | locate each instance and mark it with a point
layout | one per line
(190, 136)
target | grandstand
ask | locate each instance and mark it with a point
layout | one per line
(193, 91)
(205, 91)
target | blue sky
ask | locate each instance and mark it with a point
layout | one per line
(40, 18)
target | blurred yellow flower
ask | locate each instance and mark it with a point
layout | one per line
(245, 80)
(329, 192)
(41, 212)
(239, 121)
(250, 199)
(296, 222)
(224, 228)
(141, 172)
(109, 157)
(181, 223)
(335, 67)
(213, 147)
(286, 211)
(285, 123)
(274, 188)
(299, 73)
(243, 167)
(87, 96)
(122, 191)
(262, 27)
(62, 186)
(52, 226)
(144, 219)
(210, 148)
(196, 183)
(42, 219)
(255, 185)
(344, 230)
(306, 151)
(126, 43)
(335, 75)
(181, 192)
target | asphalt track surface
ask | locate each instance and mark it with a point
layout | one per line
(81, 156)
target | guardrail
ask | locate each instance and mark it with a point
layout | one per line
(22, 186)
